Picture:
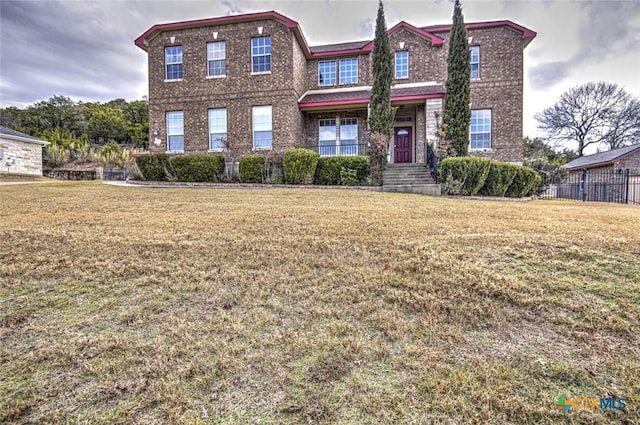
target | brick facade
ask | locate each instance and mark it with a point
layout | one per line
(294, 76)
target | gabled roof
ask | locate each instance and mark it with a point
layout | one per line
(354, 47)
(360, 96)
(602, 158)
(527, 34)
(154, 31)
(367, 46)
(16, 135)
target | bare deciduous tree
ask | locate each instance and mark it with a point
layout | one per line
(595, 113)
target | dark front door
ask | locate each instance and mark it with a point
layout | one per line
(402, 145)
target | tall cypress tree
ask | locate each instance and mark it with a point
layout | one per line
(382, 113)
(457, 113)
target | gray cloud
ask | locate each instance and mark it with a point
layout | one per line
(85, 50)
(604, 34)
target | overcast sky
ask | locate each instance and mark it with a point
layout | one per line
(84, 49)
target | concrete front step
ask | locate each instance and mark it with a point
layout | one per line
(423, 189)
(409, 178)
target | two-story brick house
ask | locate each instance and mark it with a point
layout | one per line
(253, 80)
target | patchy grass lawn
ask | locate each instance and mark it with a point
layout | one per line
(224, 306)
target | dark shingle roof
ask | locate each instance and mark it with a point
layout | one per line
(339, 46)
(11, 132)
(365, 93)
(602, 158)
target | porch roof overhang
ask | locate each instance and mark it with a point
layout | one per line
(359, 97)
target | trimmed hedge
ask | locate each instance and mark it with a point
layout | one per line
(197, 168)
(299, 165)
(251, 168)
(329, 170)
(498, 179)
(471, 172)
(470, 176)
(154, 166)
(525, 183)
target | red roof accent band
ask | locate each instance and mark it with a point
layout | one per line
(362, 101)
(426, 32)
(434, 39)
(366, 100)
(526, 32)
(272, 14)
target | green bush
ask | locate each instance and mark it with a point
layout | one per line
(471, 172)
(498, 179)
(469, 176)
(197, 168)
(329, 169)
(299, 165)
(154, 166)
(252, 168)
(348, 177)
(525, 183)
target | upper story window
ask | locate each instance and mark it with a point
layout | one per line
(216, 59)
(474, 59)
(349, 71)
(261, 54)
(480, 129)
(217, 129)
(327, 73)
(175, 131)
(402, 64)
(261, 121)
(173, 62)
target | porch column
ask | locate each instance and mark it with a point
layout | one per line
(433, 108)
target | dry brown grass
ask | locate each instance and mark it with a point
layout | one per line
(139, 305)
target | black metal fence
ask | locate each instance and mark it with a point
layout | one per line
(114, 174)
(342, 149)
(605, 185)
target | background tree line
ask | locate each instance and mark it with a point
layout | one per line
(126, 123)
(83, 132)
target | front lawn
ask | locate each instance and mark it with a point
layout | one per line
(231, 306)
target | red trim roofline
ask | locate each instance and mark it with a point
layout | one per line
(434, 39)
(247, 17)
(526, 32)
(365, 100)
(426, 32)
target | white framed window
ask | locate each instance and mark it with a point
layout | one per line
(327, 73)
(474, 60)
(262, 130)
(402, 64)
(175, 131)
(327, 138)
(348, 136)
(480, 129)
(261, 55)
(216, 59)
(217, 129)
(173, 62)
(334, 143)
(349, 71)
